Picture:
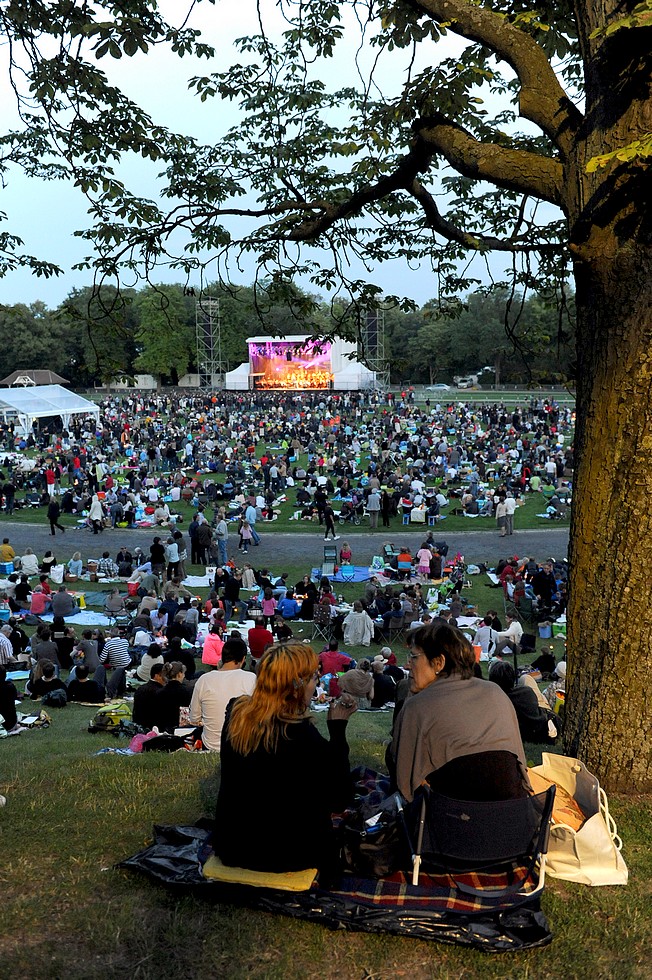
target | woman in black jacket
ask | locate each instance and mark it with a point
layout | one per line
(280, 779)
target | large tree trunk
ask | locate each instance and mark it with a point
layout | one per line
(609, 691)
(609, 700)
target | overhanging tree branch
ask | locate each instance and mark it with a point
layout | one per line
(412, 163)
(447, 229)
(512, 169)
(542, 99)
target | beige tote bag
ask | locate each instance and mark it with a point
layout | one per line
(590, 855)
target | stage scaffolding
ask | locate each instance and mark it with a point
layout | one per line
(372, 347)
(208, 333)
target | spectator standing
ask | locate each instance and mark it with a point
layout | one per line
(373, 507)
(510, 510)
(221, 535)
(54, 513)
(329, 522)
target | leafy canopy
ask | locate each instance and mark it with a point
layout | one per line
(446, 132)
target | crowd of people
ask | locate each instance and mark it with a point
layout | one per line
(369, 457)
(250, 700)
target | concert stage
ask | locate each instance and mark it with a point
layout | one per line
(300, 363)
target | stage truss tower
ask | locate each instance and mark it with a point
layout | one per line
(208, 332)
(372, 347)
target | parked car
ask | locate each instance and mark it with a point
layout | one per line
(465, 383)
(439, 387)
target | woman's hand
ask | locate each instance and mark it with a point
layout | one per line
(342, 708)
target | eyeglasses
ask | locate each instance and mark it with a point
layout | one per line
(414, 656)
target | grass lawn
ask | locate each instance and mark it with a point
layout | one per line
(70, 815)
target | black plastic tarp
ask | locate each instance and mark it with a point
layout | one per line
(176, 857)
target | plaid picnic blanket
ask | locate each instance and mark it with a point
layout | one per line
(433, 892)
(390, 906)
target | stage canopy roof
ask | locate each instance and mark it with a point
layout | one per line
(43, 401)
(30, 378)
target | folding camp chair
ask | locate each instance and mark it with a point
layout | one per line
(396, 630)
(330, 559)
(322, 624)
(348, 573)
(461, 837)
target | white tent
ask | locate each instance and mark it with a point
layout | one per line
(238, 379)
(42, 401)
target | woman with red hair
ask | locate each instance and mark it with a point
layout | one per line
(280, 779)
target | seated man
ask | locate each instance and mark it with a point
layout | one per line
(288, 606)
(486, 638)
(63, 604)
(259, 638)
(106, 566)
(7, 655)
(215, 689)
(83, 689)
(404, 558)
(332, 660)
(145, 705)
(511, 636)
(7, 553)
(148, 603)
(395, 613)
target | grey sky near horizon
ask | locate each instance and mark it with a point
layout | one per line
(46, 214)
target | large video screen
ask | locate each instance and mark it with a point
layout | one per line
(287, 365)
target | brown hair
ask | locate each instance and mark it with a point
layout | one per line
(447, 642)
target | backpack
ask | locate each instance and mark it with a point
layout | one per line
(109, 717)
(55, 699)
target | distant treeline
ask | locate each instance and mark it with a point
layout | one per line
(96, 336)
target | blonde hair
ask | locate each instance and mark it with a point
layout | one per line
(278, 699)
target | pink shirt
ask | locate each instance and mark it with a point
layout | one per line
(424, 556)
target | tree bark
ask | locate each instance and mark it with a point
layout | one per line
(609, 703)
(609, 689)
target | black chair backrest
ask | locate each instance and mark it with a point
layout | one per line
(481, 776)
(322, 614)
(462, 835)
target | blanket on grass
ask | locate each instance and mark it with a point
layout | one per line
(433, 910)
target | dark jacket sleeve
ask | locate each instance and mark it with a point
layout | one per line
(338, 781)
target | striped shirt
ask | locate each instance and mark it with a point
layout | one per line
(6, 650)
(116, 652)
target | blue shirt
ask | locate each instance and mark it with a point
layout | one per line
(288, 608)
